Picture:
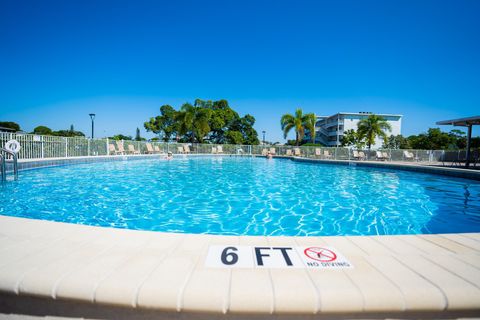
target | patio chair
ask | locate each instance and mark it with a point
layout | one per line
(180, 149)
(361, 155)
(327, 154)
(272, 151)
(112, 150)
(264, 152)
(120, 148)
(186, 148)
(288, 152)
(379, 156)
(149, 148)
(214, 150)
(385, 155)
(132, 150)
(297, 152)
(219, 149)
(157, 149)
(318, 152)
(407, 155)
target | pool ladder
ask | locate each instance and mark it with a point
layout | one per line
(3, 164)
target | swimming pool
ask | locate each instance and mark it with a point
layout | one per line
(245, 196)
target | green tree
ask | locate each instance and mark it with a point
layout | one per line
(295, 121)
(138, 137)
(10, 125)
(372, 127)
(164, 124)
(43, 130)
(310, 122)
(234, 137)
(397, 142)
(120, 137)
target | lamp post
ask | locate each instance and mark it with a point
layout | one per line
(263, 136)
(92, 116)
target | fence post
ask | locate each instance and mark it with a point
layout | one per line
(42, 145)
(106, 145)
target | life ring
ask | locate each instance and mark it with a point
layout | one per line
(12, 146)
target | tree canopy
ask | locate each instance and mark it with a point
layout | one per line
(204, 121)
(298, 122)
(44, 130)
(10, 125)
(371, 127)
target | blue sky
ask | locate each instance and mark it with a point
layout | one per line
(122, 60)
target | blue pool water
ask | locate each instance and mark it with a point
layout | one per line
(245, 196)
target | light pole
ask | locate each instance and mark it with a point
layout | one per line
(263, 136)
(92, 116)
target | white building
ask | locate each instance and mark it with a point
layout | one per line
(329, 130)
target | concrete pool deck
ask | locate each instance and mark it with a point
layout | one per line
(57, 269)
(50, 269)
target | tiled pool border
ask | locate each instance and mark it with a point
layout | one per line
(443, 281)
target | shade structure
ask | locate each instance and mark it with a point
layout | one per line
(464, 122)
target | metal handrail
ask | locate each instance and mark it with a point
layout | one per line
(3, 158)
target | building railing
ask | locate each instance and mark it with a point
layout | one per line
(44, 147)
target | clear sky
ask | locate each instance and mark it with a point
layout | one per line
(60, 60)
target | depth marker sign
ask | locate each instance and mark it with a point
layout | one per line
(315, 257)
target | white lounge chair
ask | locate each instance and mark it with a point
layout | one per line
(131, 149)
(288, 152)
(157, 149)
(112, 150)
(120, 148)
(407, 155)
(186, 148)
(318, 152)
(180, 149)
(214, 150)
(297, 152)
(149, 148)
(264, 152)
(219, 149)
(272, 151)
(327, 154)
(379, 156)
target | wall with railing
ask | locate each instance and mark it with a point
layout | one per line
(44, 147)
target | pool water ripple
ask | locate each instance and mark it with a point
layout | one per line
(245, 196)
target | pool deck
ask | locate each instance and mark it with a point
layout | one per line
(50, 269)
(57, 269)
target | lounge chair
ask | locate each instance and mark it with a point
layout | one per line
(288, 152)
(219, 149)
(272, 151)
(121, 149)
(132, 150)
(361, 155)
(327, 154)
(111, 149)
(380, 156)
(180, 149)
(186, 148)
(149, 148)
(385, 155)
(214, 150)
(297, 152)
(157, 149)
(264, 152)
(356, 155)
(407, 155)
(318, 152)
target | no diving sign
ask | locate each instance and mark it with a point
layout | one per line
(315, 257)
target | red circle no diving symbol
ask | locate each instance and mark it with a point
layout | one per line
(320, 254)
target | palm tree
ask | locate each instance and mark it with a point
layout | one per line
(372, 127)
(310, 125)
(298, 122)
